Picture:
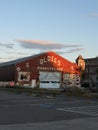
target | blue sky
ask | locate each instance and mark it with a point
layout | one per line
(68, 27)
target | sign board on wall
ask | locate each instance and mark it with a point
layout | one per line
(71, 79)
(23, 76)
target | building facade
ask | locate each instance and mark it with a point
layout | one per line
(45, 70)
(91, 71)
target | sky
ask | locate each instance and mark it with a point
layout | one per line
(67, 27)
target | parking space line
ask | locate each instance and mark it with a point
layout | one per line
(75, 111)
(82, 107)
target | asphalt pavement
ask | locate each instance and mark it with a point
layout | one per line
(26, 112)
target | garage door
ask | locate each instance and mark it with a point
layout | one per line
(50, 79)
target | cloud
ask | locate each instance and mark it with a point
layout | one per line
(44, 45)
(12, 56)
(5, 59)
(75, 50)
(93, 15)
(7, 45)
(17, 53)
(70, 51)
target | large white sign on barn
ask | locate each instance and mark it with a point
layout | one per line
(50, 79)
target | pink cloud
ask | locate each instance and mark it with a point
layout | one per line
(42, 44)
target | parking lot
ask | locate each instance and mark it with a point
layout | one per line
(17, 109)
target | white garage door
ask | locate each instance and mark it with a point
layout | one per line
(50, 79)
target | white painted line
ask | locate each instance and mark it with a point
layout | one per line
(80, 112)
(50, 97)
(82, 107)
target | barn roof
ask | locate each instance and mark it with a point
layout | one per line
(13, 62)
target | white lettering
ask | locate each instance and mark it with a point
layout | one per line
(50, 59)
(41, 61)
(59, 62)
(45, 60)
(55, 60)
(49, 68)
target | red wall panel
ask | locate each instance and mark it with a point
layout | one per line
(46, 62)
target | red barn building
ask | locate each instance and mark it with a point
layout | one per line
(46, 70)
